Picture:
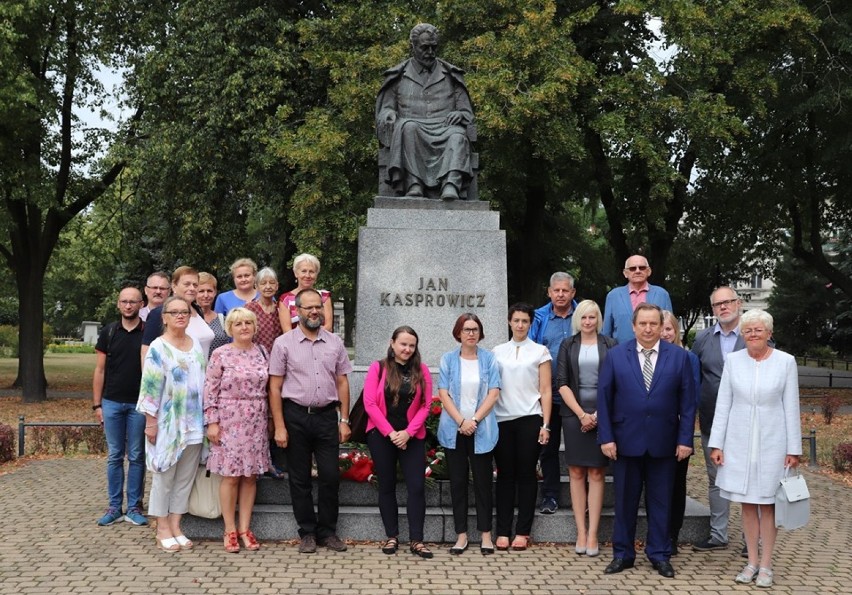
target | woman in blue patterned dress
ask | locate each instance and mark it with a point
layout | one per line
(235, 412)
(170, 398)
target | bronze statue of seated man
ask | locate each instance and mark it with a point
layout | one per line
(422, 112)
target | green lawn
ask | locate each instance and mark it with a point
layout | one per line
(64, 371)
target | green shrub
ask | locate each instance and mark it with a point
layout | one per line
(9, 346)
(8, 341)
(7, 443)
(821, 352)
(53, 348)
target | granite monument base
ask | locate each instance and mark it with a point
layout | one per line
(422, 263)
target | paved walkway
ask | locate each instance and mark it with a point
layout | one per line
(51, 544)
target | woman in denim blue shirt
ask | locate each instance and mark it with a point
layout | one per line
(469, 385)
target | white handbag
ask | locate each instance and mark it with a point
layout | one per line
(792, 502)
(204, 497)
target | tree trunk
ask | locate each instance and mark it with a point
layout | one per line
(31, 378)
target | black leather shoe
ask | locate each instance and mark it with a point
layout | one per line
(618, 565)
(664, 568)
(458, 551)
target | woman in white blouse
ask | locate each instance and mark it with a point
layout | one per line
(522, 418)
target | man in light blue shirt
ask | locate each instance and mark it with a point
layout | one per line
(551, 325)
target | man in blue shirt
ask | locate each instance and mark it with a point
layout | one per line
(622, 301)
(551, 325)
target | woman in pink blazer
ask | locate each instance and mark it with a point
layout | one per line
(397, 394)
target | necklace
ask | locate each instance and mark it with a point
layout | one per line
(761, 356)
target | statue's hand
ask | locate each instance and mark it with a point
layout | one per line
(390, 117)
(455, 119)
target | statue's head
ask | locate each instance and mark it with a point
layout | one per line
(424, 44)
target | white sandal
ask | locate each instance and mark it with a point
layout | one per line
(748, 574)
(764, 578)
(170, 545)
(184, 542)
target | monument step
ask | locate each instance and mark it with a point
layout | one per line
(277, 491)
(363, 523)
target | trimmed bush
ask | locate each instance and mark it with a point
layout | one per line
(7, 443)
(830, 406)
(842, 457)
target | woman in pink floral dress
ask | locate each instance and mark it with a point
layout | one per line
(235, 412)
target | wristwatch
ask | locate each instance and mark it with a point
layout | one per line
(344, 420)
(96, 407)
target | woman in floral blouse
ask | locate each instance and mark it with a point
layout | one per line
(235, 412)
(170, 398)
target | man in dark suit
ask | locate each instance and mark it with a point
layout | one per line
(712, 346)
(646, 417)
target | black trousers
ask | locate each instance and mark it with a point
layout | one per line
(460, 461)
(313, 435)
(516, 454)
(550, 469)
(412, 461)
(678, 499)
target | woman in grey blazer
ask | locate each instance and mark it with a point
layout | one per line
(577, 366)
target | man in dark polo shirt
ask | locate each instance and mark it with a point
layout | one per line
(309, 401)
(115, 390)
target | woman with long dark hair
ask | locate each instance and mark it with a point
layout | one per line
(397, 392)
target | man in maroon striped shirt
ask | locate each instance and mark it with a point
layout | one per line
(309, 401)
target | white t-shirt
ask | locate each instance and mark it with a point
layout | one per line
(199, 330)
(519, 368)
(469, 387)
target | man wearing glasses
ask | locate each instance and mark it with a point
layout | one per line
(309, 402)
(157, 289)
(622, 301)
(712, 346)
(115, 390)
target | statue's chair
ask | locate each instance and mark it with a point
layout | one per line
(472, 191)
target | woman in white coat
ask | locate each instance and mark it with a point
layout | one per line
(756, 434)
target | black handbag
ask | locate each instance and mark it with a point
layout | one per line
(358, 421)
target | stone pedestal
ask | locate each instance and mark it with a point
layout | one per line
(423, 263)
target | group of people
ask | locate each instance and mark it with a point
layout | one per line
(616, 386)
(189, 366)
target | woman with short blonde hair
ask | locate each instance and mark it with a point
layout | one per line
(235, 412)
(243, 271)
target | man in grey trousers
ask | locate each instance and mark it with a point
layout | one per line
(712, 345)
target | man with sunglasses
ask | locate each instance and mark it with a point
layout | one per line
(622, 301)
(309, 403)
(712, 346)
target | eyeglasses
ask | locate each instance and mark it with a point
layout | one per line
(312, 308)
(129, 302)
(641, 267)
(753, 331)
(470, 331)
(178, 313)
(727, 303)
(155, 288)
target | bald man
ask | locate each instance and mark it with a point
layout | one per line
(622, 301)
(115, 390)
